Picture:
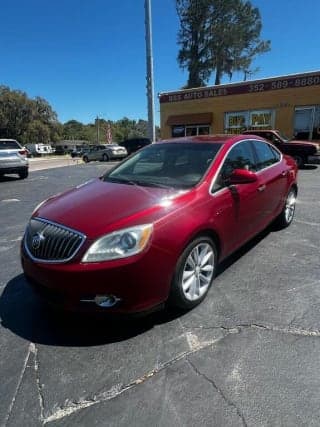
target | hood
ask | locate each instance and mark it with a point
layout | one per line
(302, 143)
(97, 207)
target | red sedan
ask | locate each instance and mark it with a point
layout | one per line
(155, 227)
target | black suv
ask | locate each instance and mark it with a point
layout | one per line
(134, 144)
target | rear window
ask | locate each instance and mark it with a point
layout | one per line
(9, 145)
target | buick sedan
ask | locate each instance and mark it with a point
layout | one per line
(154, 228)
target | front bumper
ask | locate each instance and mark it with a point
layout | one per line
(141, 282)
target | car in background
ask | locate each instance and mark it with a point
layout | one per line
(301, 151)
(154, 228)
(105, 152)
(79, 151)
(134, 144)
(40, 149)
(13, 158)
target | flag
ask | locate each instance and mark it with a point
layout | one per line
(108, 134)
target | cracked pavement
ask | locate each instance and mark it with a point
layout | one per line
(249, 355)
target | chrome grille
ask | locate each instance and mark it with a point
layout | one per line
(49, 242)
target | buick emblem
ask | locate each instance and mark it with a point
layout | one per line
(37, 239)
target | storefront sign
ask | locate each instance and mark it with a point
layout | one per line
(297, 81)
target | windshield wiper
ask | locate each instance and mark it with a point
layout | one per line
(119, 180)
(138, 182)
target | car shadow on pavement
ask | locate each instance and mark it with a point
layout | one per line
(26, 315)
(308, 167)
(31, 318)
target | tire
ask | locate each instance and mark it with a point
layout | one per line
(286, 216)
(23, 174)
(85, 159)
(105, 157)
(193, 275)
(300, 160)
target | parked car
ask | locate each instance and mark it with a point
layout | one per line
(135, 144)
(301, 151)
(105, 152)
(79, 151)
(154, 228)
(13, 158)
(39, 149)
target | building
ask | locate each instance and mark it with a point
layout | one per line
(290, 104)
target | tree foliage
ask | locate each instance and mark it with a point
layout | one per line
(33, 121)
(221, 36)
(25, 119)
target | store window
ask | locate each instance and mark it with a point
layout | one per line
(238, 121)
(190, 130)
(262, 119)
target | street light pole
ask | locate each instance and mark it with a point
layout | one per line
(150, 85)
(98, 130)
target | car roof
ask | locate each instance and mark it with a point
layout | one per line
(260, 130)
(215, 139)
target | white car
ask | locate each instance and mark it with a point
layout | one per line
(13, 158)
(105, 152)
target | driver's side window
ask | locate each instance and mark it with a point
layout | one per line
(241, 156)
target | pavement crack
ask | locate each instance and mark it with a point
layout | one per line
(119, 389)
(219, 390)
(273, 328)
(34, 350)
(24, 367)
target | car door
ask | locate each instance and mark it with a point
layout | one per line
(272, 173)
(235, 208)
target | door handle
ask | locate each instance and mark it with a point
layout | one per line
(262, 187)
(284, 173)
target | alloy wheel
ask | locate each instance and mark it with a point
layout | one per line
(290, 206)
(198, 271)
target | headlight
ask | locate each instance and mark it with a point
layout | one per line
(119, 244)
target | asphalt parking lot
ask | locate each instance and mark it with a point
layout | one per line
(249, 355)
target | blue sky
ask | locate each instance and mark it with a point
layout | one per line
(87, 58)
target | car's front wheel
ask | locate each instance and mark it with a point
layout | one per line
(85, 159)
(194, 273)
(105, 157)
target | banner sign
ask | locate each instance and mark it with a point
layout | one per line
(297, 81)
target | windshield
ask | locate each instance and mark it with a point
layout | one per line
(9, 145)
(178, 165)
(283, 136)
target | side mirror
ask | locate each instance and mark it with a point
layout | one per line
(242, 176)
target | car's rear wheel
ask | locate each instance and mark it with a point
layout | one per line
(23, 174)
(194, 273)
(286, 216)
(105, 157)
(85, 159)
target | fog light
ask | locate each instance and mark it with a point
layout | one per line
(104, 301)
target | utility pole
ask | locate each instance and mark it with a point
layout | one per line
(98, 130)
(150, 85)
